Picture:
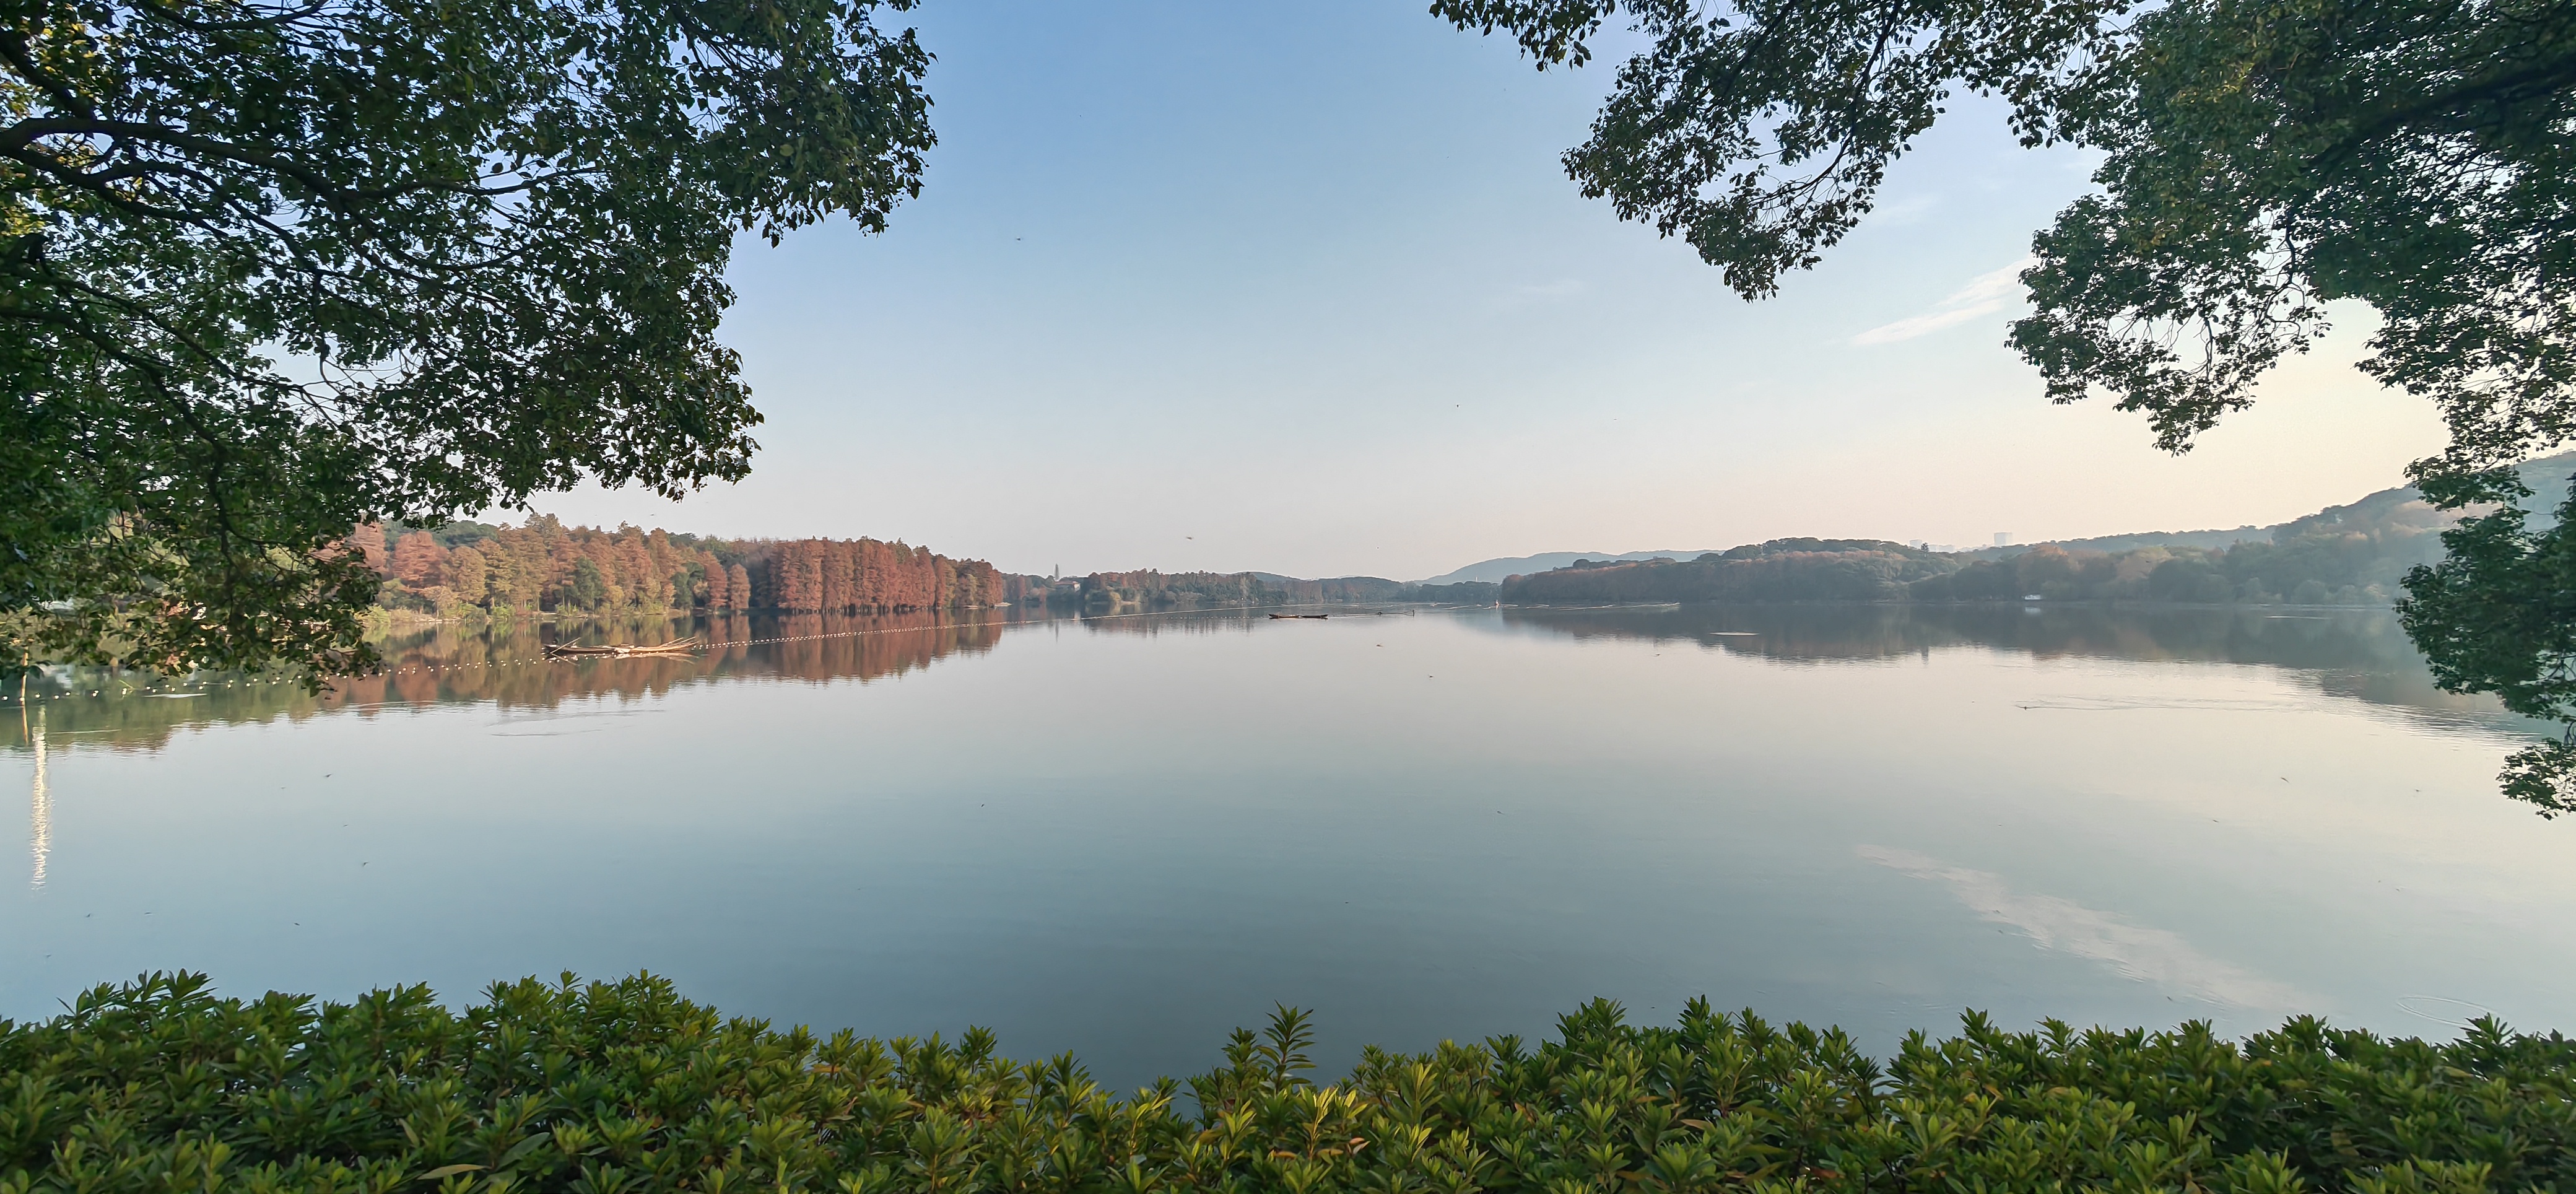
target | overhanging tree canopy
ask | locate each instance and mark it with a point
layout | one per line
(2261, 160)
(271, 268)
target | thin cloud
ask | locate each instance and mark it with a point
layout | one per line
(1561, 288)
(1984, 295)
(1905, 211)
(2145, 955)
(1530, 296)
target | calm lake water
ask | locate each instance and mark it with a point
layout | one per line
(1122, 837)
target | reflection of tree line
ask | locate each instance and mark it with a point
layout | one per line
(2358, 654)
(506, 665)
(1152, 623)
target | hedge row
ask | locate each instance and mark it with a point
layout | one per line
(624, 1088)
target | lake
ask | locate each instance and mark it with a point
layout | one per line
(1124, 836)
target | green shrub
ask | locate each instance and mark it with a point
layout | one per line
(624, 1088)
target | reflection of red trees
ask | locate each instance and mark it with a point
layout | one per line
(510, 669)
(820, 647)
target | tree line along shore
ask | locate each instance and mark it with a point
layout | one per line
(544, 566)
(2354, 555)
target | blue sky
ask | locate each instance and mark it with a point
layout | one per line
(1302, 288)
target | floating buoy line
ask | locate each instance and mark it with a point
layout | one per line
(192, 688)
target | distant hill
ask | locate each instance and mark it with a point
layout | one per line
(1495, 570)
(1780, 570)
(2547, 477)
(2353, 554)
(2209, 540)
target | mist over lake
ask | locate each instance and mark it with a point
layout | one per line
(1123, 836)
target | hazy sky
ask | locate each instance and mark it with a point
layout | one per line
(1302, 288)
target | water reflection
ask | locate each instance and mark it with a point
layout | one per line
(2360, 655)
(1125, 835)
(2137, 952)
(40, 808)
(505, 665)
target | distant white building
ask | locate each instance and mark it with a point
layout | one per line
(2003, 538)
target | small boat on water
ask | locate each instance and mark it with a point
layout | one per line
(686, 646)
(1292, 617)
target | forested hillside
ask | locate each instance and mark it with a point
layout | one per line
(2351, 555)
(1150, 589)
(1780, 570)
(1502, 568)
(2354, 554)
(2342, 555)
